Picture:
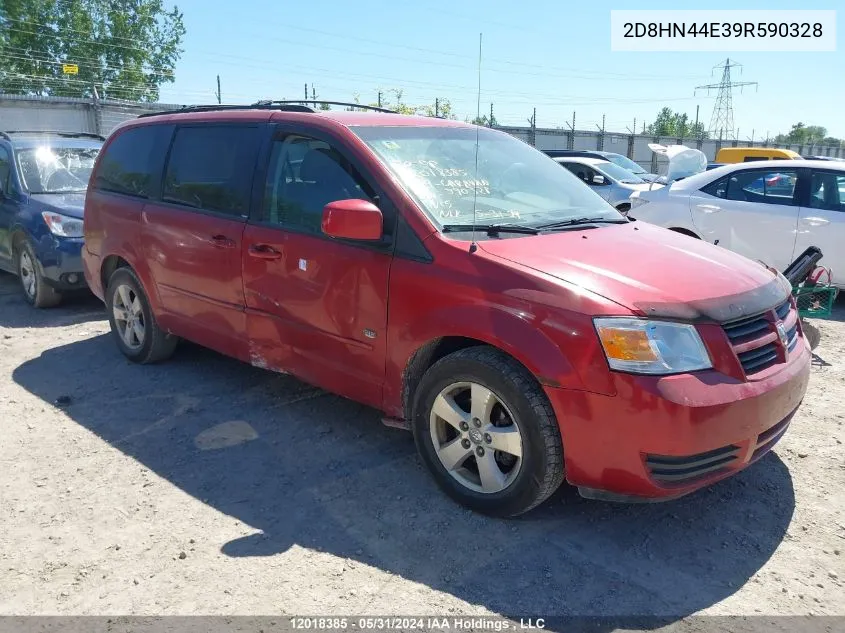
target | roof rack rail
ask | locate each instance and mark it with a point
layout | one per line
(56, 132)
(319, 101)
(286, 106)
(222, 108)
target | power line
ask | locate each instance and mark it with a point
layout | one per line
(722, 121)
(569, 73)
(377, 80)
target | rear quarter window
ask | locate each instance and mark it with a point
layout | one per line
(129, 164)
(718, 188)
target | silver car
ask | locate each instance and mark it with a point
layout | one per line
(612, 182)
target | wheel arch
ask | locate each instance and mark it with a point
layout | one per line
(524, 343)
(115, 259)
(110, 264)
(19, 236)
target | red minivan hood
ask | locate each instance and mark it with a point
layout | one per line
(651, 270)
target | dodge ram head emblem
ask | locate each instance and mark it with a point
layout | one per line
(782, 334)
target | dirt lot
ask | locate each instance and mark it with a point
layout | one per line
(206, 486)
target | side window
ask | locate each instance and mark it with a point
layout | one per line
(583, 172)
(827, 191)
(5, 170)
(751, 159)
(305, 175)
(211, 168)
(763, 186)
(718, 189)
(129, 160)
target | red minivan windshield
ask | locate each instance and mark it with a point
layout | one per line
(512, 183)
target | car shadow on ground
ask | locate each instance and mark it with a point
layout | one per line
(309, 469)
(78, 307)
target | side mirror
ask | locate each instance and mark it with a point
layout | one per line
(353, 220)
(598, 179)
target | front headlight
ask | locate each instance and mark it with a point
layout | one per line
(636, 201)
(62, 225)
(651, 347)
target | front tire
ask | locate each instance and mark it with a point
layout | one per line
(812, 333)
(132, 322)
(36, 291)
(486, 431)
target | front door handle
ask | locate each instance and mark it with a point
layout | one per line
(263, 251)
(221, 241)
(815, 221)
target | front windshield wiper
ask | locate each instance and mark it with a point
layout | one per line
(579, 221)
(492, 229)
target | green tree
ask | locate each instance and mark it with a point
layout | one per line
(394, 100)
(801, 134)
(677, 124)
(485, 120)
(125, 49)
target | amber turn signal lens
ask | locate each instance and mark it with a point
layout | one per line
(623, 344)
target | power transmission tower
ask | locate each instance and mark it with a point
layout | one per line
(722, 121)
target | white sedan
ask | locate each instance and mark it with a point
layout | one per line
(769, 211)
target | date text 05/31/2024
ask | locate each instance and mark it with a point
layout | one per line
(391, 623)
(723, 29)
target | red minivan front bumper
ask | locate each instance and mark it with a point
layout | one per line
(663, 437)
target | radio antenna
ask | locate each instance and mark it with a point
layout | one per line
(473, 244)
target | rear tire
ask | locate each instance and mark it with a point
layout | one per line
(132, 322)
(468, 410)
(36, 291)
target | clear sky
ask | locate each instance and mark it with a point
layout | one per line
(550, 54)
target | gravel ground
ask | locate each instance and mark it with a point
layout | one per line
(205, 486)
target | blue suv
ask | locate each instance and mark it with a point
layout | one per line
(43, 178)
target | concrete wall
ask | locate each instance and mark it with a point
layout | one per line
(69, 115)
(635, 146)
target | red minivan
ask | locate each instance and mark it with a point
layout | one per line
(458, 280)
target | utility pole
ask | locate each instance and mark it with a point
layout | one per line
(379, 98)
(601, 129)
(722, 121)
(632, 132)
(306, 91)
(534, 128)
(491, 115)
(571, 143)
(218, 90)
(437, 108)
(313, 93)
(696, 122)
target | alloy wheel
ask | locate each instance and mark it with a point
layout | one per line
(27, 274)
(128, 316)
(475, 437)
